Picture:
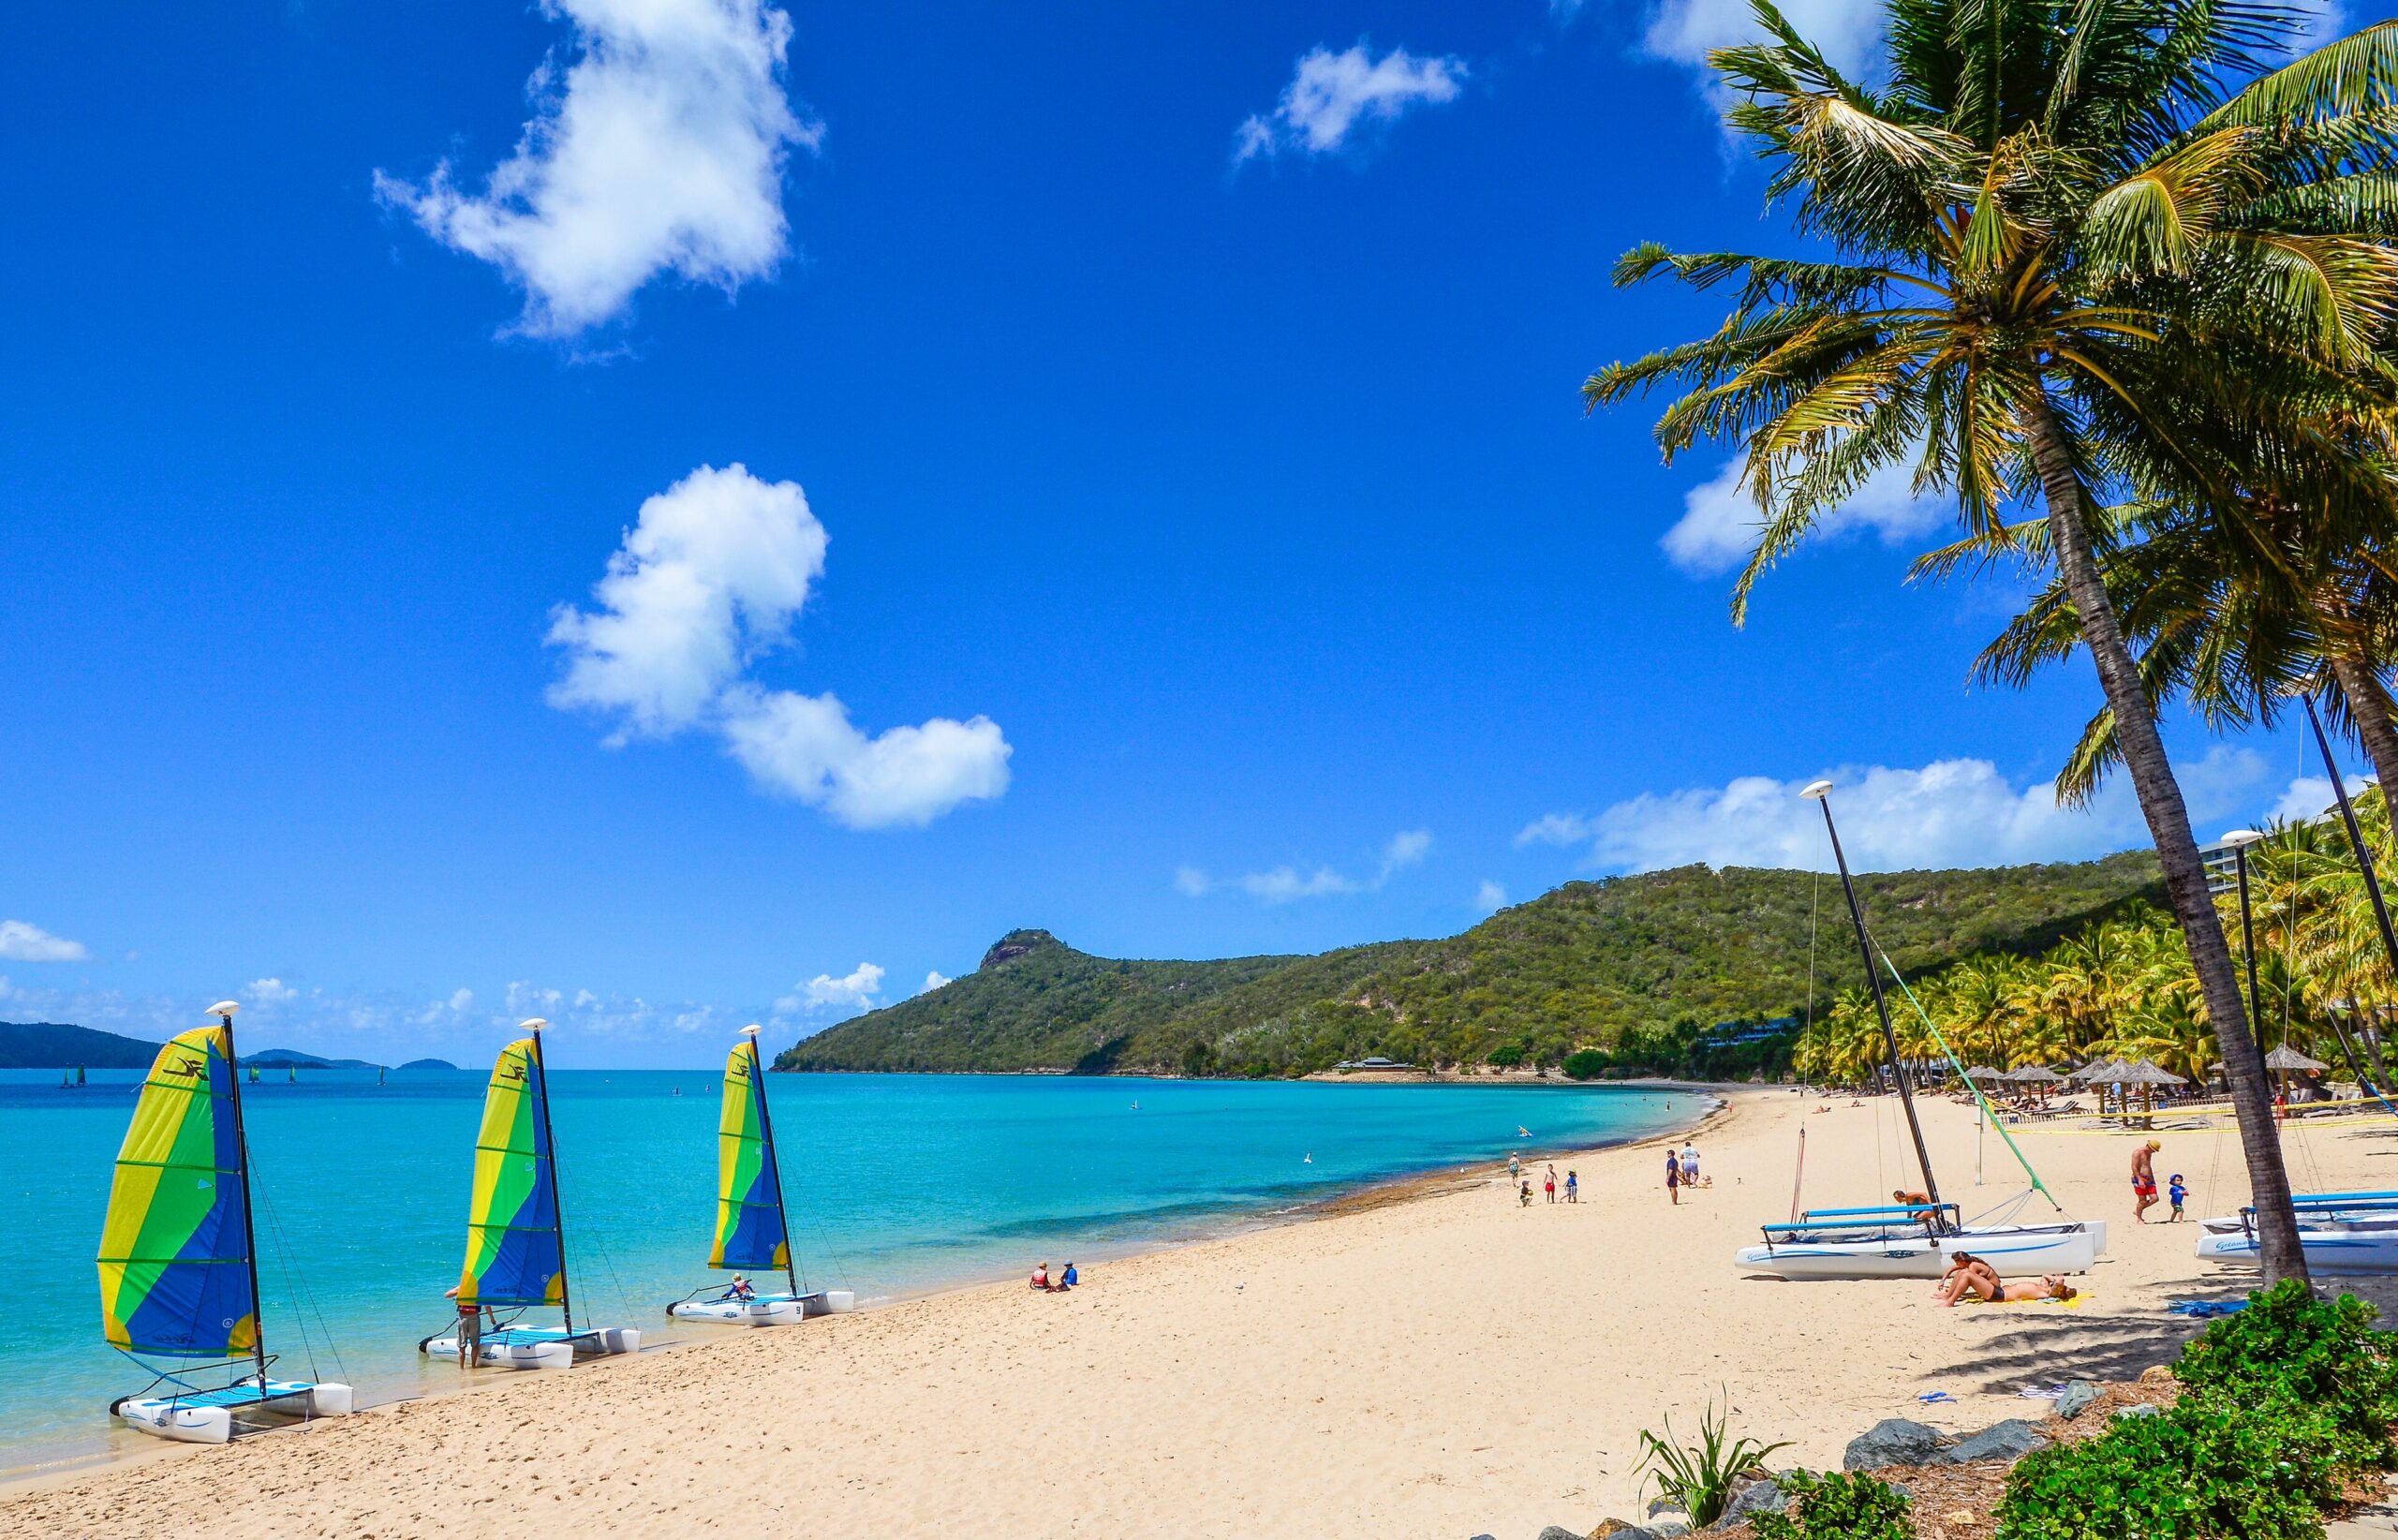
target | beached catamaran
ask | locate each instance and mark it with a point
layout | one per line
(516, 1232)
(179, 1275)
(1914, 1239)
(753, 1224)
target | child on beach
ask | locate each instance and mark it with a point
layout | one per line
(1572, 1187)
(2179, 1194)
(1549, 1184)
(1526, 1194)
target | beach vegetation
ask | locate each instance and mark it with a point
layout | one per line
(1837, 1505)
(1702, 1478)
(2282, 1404)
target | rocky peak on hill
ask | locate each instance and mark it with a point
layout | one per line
(1014, 945)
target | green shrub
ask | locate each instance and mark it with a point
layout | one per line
(1835, 1506)
(2322, 1354)
(2205, 1469)
(1585, 1063)
(1702, 1478)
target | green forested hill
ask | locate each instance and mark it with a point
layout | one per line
(53, 1045)
(1632, 965)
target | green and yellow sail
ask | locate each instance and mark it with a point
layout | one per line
(514, 1253)
(174, 1249)
(749, 1200)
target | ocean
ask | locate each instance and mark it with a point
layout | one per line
(897, 1185)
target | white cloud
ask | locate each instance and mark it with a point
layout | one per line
(1489, 898)
(709, 580)
(20, 942)
(1190, 881)
(1684, 30)
(804, 747)
(1719, 524)
(1554, 829)
(1406, 849)
(462, 1000)
(710, 577)
(1948, 813)
(1285, 884)
(2306, 799)
(1331, 93)
(933, 980)
(857, 991)
(269, 992)
(659, 148)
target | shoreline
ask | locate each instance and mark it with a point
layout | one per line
(1424, 1356)
(1229, 1226)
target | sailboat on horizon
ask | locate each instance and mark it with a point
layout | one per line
(753, 1224)
(516, 1234)
(179, 1276)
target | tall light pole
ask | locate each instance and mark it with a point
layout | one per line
(1821, 791)
(2239, 839)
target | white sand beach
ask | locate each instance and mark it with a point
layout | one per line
(1438, 1366)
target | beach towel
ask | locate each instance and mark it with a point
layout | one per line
(2206, 1309)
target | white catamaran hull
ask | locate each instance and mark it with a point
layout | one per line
(2012, 1252)
(179, 1418)
(2336, 1251)
(777, 1310)
(829, 1302)
(491, 1355)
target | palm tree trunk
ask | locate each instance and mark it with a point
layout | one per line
(2369, 708)
(2177, 850)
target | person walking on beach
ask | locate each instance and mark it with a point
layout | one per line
(1674, 1179)
(1549, 1184)
(1515, 1167)
(2179, 1194)
(1572, 1188)
(2144, 1179)
(470, 1328)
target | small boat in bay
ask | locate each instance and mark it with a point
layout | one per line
(516, 1234)
(752, 1225)
(179, 1275)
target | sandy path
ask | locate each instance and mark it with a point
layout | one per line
(1437, 1367)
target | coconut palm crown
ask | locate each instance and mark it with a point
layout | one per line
(2053, 229)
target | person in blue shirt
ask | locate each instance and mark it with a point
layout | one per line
(1069, 1278)
(2178, 1192)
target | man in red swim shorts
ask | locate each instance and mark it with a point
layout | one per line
(2144, 1179)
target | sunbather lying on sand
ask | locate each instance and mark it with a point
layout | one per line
(1970, 1277)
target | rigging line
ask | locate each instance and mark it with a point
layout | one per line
(291, 1281)
(1988, 1111)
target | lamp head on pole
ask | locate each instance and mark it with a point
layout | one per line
(225, 1008)
(750, 1031)
(1817, 789)
(531, 1024)
(2242, 838)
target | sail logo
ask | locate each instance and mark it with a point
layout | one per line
(190, 1069)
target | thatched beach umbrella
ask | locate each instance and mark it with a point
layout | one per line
(2032, 1075)
(1983, 1072)
(2148, 1075)
(2287, 1058)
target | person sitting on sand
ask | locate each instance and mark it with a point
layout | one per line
(1068, 1278)
(1969, 1275)
(1041, 1277)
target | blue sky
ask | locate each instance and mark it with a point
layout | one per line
(1165, 514)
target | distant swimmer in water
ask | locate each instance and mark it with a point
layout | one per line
(1522, 1133)
(1306, 1160)
(1136, 1106)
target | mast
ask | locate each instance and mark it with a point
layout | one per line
(774, 1162)
(1822, 792)
(223, 1010)
(557, 1190)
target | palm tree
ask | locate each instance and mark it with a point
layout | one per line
(2050, 222)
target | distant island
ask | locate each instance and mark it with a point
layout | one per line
(1690, 971)
(427, 1064)
(53, 1045)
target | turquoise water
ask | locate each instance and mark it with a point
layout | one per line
(898, 1184)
